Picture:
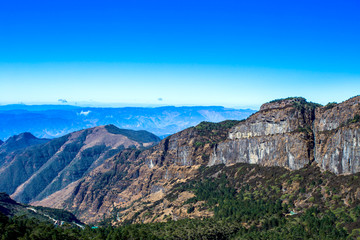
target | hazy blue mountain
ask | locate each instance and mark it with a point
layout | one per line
(16, 143)
(21, 141)
(49, 121)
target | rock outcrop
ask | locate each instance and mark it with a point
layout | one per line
(292, 133)
(337, 134)
(278, 135)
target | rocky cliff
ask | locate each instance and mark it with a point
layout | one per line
(278, 135)
(337, 137)
(292, 133)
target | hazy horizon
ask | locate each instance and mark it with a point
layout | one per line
(122, 105)
(93, 104)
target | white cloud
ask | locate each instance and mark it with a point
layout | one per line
(85, 113)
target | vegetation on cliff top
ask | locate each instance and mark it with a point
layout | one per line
(298, 102)
(216, 129)
(301, 99)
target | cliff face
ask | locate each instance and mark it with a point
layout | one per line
(278, 135)
(337, 134)
(292, 133)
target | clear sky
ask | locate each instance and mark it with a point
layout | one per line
(230, 53)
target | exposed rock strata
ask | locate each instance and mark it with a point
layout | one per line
(278, 135)
(337, 133)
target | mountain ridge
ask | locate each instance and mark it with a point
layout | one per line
(51, 166)
(20, 141)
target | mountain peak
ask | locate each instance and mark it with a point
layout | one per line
(25, 135)
(111, 128)
(20, 141)
(140, 136)
(22, 137)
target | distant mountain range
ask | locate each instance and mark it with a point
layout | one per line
(50, 121)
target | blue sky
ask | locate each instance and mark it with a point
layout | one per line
(230, 53)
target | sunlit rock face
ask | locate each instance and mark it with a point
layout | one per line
(288, 150)
(292, 133)
(176, 149)
(278, 135)
(337, 137)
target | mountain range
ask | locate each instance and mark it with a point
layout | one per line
(50, 121)
(291, 168)
(32, 168)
